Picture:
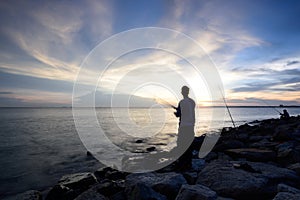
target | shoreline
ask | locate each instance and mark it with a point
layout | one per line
(260, 161)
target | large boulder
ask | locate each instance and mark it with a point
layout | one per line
(29, 195)
(143, 192)
(228, 144)
(196, 192)
(295, 167)
(286, 196)
(91, 194)
(252, 154)
(227, 181)
(70, 186)
(286, 188)
(167, 184)
(249, 180)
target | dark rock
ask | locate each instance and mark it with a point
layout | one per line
(287, 188)
(139, 141)
(197, 142)
(196, 192)
(70, 186)
(256, 138)
(288, 153)
(190, 177)
(295, 167)
(252, 154)
(229, 144)
(29, 195)
(91, 194)
(227, 181)
(119, 196)
(115, 175)
(164, 183)
(60, 192)
(197, 165)
(78, 181)
(274, 174)
(242, 136)
(263, 144)
(109, 187)
(223, 156)
(100, 173)
(284, 149)
(88, 153)
(211, 156)
(143, 192)
(149, 149)
(286, 196)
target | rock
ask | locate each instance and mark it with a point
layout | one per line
(91, 194)
(115, 175)
(263, 144)
(197, 165)
(252, 154)
(149, 149)
(29, 195)
(70, 186)
(78, 181)
(109, 187)
(142, 192)
(276, 174)
(282, 133)
(295, 167)
(284, 149)
(286, 196)
(119, 196)
(100, 173)
(223, 156)
(287, 188)
(197, 142)
(88, 153)
(196, 192)
(211, 156)
(227, 181)
(167, 184)
(139, 141)
(229, 144)
(190, 177)
(288, 153)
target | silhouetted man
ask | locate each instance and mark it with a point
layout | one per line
(186, 113)
(284, 115)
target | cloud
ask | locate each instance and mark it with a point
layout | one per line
(54, 37)
(6, 93)
(292, 62)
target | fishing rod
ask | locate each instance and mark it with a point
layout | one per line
(271, 106)
(227, 107)
(164, 102)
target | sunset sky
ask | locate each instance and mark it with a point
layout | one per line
(255, 45)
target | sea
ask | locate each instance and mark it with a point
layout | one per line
(40, 145)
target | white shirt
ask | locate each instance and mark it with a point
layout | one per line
(187, 108)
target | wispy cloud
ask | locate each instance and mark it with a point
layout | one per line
(54, 36)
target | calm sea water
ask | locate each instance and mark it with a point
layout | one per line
(39, 145)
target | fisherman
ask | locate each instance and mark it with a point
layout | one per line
(186, 113)
(284, 115)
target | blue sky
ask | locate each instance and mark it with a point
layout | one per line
(255, 45)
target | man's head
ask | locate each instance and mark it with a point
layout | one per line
(185, 91)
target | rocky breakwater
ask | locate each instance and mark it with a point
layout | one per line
(260, 160)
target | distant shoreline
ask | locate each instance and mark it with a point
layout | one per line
(44, 107)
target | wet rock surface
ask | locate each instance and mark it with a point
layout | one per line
(256, 161)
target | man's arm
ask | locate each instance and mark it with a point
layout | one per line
(178, 111)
